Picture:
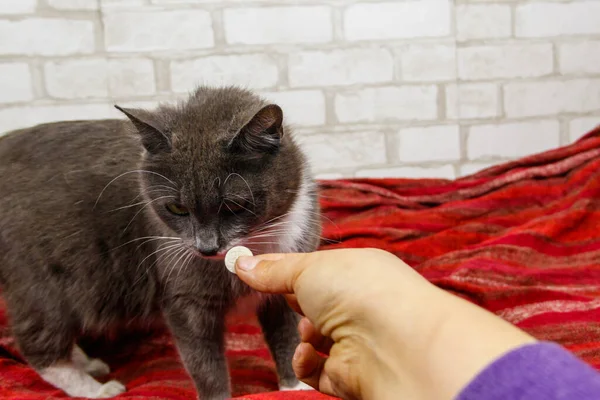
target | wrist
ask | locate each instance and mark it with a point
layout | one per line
(434, 349)
(463, 341)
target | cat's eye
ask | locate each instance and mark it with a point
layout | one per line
(177, 209)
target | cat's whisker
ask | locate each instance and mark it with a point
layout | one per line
(265, 225)
(316, 220)
(245, 181)
(243, 198)
(180, 254)
(145, 237)
(152, 189)
(165, 251)
(186, 263)
(137, 204)
(160, 249)
(229, 208)
(146, 205)
(124, 207)
(183, 257)
(273, 232)
(152, 240)
(167, 261)
(124, 174)
(239, 205)
(164, 187)
(163, 258)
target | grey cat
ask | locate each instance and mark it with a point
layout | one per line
(107, 224)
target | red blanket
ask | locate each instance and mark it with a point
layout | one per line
(520, 239)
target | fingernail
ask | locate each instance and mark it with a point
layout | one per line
(297, 353)
(247, 263)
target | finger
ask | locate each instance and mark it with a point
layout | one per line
(293, 302)
(310, 334)
(308, 365)
(272, 273)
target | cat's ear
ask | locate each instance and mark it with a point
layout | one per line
(154, 137)
(262, 135)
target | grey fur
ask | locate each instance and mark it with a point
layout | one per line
(71, 258)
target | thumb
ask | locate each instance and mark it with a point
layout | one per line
(272, 273)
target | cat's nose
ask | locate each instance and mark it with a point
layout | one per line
(207, 251)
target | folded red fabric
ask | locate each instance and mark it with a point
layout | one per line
(520, 239)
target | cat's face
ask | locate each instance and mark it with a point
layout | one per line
(218, 177)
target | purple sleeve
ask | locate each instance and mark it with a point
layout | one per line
(537, 371)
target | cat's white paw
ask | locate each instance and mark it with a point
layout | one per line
(297, 386)
(110, 389)
(97, 367)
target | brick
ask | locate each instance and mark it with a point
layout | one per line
(483, 21)
(250, 70)
(329, 176)
(155, 30)
(17, 6)
(525, 99)
(107, 4)
(300, 107)
(512, 140)
(60, 37)
(438, 172)
(433, 143)
(473, 167)
(580, 58)
(74, 4)
(265, 25)
(13, 118)
(397, 20)
(170, 2)
(340, 67)
(557, 19)
(387, 103)
(471, 100)
(505, 61)
(75, 79)
(342, 150)
(131, 77)
(426, 63)
(581, 126)
(15, 81)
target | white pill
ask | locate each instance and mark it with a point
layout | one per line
(233, 254)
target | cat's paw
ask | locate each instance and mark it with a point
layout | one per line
(110, 389)
(97, 367)
(297, 386)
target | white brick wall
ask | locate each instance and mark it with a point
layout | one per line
(514, 139)
(15, 82)
(76, 79)
(17, 6)
(505, 61)
(278, 25)
(373, 88)
(549, 19)
(388, 103)
(156, 30)
(427, 63)
(396, 20)
(340, 67)
(483, 21)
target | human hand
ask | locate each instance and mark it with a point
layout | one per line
(387, 331)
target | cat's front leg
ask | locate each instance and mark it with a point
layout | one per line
(280, 328)
(198, 328)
